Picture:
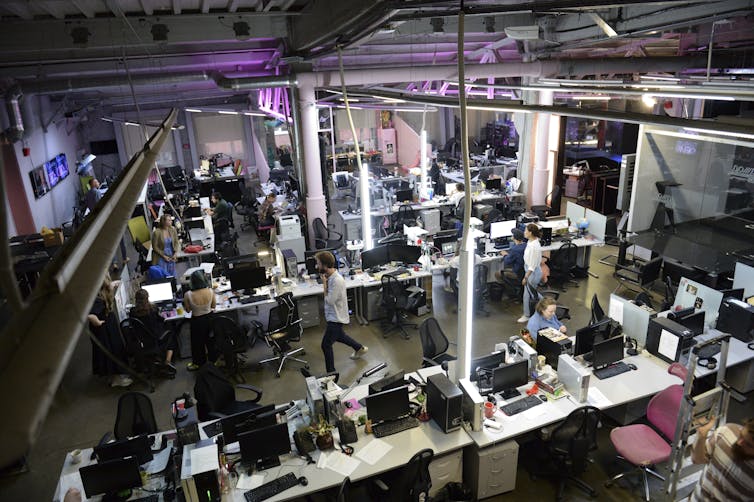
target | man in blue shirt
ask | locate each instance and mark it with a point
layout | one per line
(544, 317)
(513, 263)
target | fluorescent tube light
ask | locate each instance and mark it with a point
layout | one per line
(227, 112)
(193, 110)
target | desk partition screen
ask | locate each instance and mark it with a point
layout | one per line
(597, 223)
(699, 296)
(574, 212)
(744, 278)
(633, 318)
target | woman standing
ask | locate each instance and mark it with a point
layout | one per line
(104, 327)
(199, 302)
(532, 267)
(164, 244)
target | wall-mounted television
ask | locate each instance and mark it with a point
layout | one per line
(51, 168)
(39, 181)
(62, 163)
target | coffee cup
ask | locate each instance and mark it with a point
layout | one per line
(489, 409)
(76, 456)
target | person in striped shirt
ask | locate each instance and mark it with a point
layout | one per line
(729, 454)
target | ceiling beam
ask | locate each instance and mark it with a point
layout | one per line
(499, 44)
(146, 7)
(114, 7)
(81, 6)
(19, 10)
(268, 4)
(232, 5)
(53, 8)
(604, 26)
(205, 6)
(177, 7)
(287, 4)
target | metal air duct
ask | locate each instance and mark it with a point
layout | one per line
(13, 105)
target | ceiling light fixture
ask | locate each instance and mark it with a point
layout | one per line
(591, 98)
(80, 36)
(227, 112)
(648, 100)
(241, 29)
(438, 25)
(159, 32)
(193, 110)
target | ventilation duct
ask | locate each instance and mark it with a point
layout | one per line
(13, 105)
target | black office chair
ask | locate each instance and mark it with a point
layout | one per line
(410, 483)
(569, 446)
(216, 395)
(147, 349)
(396, 302)
(481, 293)
(283, 327)
(404, 216)
(597, 312)
(176, 178)
(434, 343)
(551, 206)
(248, 207)
(670, 292)
(642, 275)
(536, 294)
(326, 238)
(231, 342)
(135, 416)
(562, 261)
(492, 217)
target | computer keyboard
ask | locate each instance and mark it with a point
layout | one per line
(521, 405)
(400, 271)
(271, 488)
(394, 426)
(253, 299)
(612, 370)
(213, 429)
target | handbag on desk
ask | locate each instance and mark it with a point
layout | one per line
(193, 248)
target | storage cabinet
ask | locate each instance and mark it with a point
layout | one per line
(308, 310)
(446, 469)
(491, 471)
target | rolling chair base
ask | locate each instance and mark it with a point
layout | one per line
(285, 356)
(645, 481)
(399, 325)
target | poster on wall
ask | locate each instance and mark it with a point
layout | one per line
(39, 182)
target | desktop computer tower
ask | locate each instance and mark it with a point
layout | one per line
(676, 339)
(546, 238)
(431, 219)
(737, 318)
(444, 402)
(551, 343)
(290, 261)
(473, 404)
(372, 301)
(574, 376)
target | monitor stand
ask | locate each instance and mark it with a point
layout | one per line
(509, 393)
(266, 463)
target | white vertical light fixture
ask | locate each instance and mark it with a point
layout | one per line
(424, 186)
(366, 210)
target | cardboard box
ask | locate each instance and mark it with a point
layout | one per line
(54, 239)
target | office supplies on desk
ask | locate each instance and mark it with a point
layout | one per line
(522, 404)
(272, 488)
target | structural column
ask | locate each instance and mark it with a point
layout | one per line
(315, 200)
(540, 174)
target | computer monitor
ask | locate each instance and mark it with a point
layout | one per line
(499, 229)
(62, 165)
(245, 260)
(247, 278)
(388, 405)
(51, 167)
(159, 292)
(264, 446)
(694, 322)
(404, 253)
(506, 379)
(139, 447)
(441, 238)
(111, 476)
(404, 195)
(588, 335)
(374, 257)
(387, 383)
(487, 362)
(493, 183)
(192, 212)
(737, 293)
(448, 248)
(607, 352)
(231, 422)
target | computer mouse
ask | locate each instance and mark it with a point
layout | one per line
(303, 481)
(543, 398)
(632, 366)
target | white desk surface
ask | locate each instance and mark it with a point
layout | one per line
(225, 173)
(383, 211)
(588, 240)
(738, 353)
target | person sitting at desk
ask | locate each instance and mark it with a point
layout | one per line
(544, 317)
(104, 326)
(164, 244)
(200, 302)
(729, 457)
(457, 195)
(513, 260)
(267, 210)
(144, 311)
(221, 208)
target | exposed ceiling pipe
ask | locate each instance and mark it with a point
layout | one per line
(252, 83)
(13, 105)
(97, 83)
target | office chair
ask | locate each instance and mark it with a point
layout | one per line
(492, 217)
(395, 300)
(569, 446)
(535, 294)
(216, 395)
(640, 445)
(597, 313)
(562, 261)
(551, 205)
(248, 208)
(410, 483)
(283, 327)
(404, 216)
(135, 416)
(326, 238)
(434, 344)
(481, 292)
(231, 342)
(176, 178)
(670, 292)
(639, 274)
(146, 348)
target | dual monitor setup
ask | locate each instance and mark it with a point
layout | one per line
(117, 467)
(245, 273)
(382, 255)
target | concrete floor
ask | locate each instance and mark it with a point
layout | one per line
(84, 406)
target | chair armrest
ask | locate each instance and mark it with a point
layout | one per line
(551, 293)
(427, 362)
(251, 388)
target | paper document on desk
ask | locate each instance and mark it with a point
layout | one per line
(595, 397)
(374, 451)
(204, 459)
(534, 412)
(72, 480)
(246, 482)
(341, 463)
(160, 460)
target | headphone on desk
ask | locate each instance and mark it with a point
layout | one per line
(708, 362)
(631, 346)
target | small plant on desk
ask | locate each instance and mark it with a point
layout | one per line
(322, 431)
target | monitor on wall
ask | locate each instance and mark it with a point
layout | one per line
(39, 181)
(51, 168)
(62, 163)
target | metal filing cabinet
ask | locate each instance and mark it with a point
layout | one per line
(372, 301)
(308, 310)
(491, 471)
(445, 469)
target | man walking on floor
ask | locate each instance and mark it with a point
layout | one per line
(336, 310)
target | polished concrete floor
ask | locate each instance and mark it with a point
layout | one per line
(84, 406)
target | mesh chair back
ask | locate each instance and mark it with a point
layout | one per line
(135, 416)
(414, 482)
(570, 253)
(662, 411)
(433, 340)
(212, 390)
(344, 492)
(228, 335)
(597, 313)
(285, 315)
(393, 293)
(576, 436)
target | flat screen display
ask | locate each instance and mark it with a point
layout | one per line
(500, 229)
(51, 168)
(62, 163)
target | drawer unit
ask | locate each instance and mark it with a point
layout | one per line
(308, 310)
(491, 471)
(446, 469)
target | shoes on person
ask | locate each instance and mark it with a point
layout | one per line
(192, 366)
(358, 353)
(121, 381)
(523, 319)
(220, 363)
(447, 289)
(170, 367)
(305, 372)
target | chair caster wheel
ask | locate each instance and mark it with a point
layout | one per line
(277, 375)
(303, 352)
(306, 367)
(608, 484)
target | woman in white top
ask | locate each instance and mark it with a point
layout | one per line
(532, 266)
(200, 301)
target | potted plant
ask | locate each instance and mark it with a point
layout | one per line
(322, 431)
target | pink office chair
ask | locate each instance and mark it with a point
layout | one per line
(678, 370)
(640, 445)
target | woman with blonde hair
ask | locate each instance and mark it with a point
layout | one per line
(165, 244)
(104, 326)
(144, 311)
